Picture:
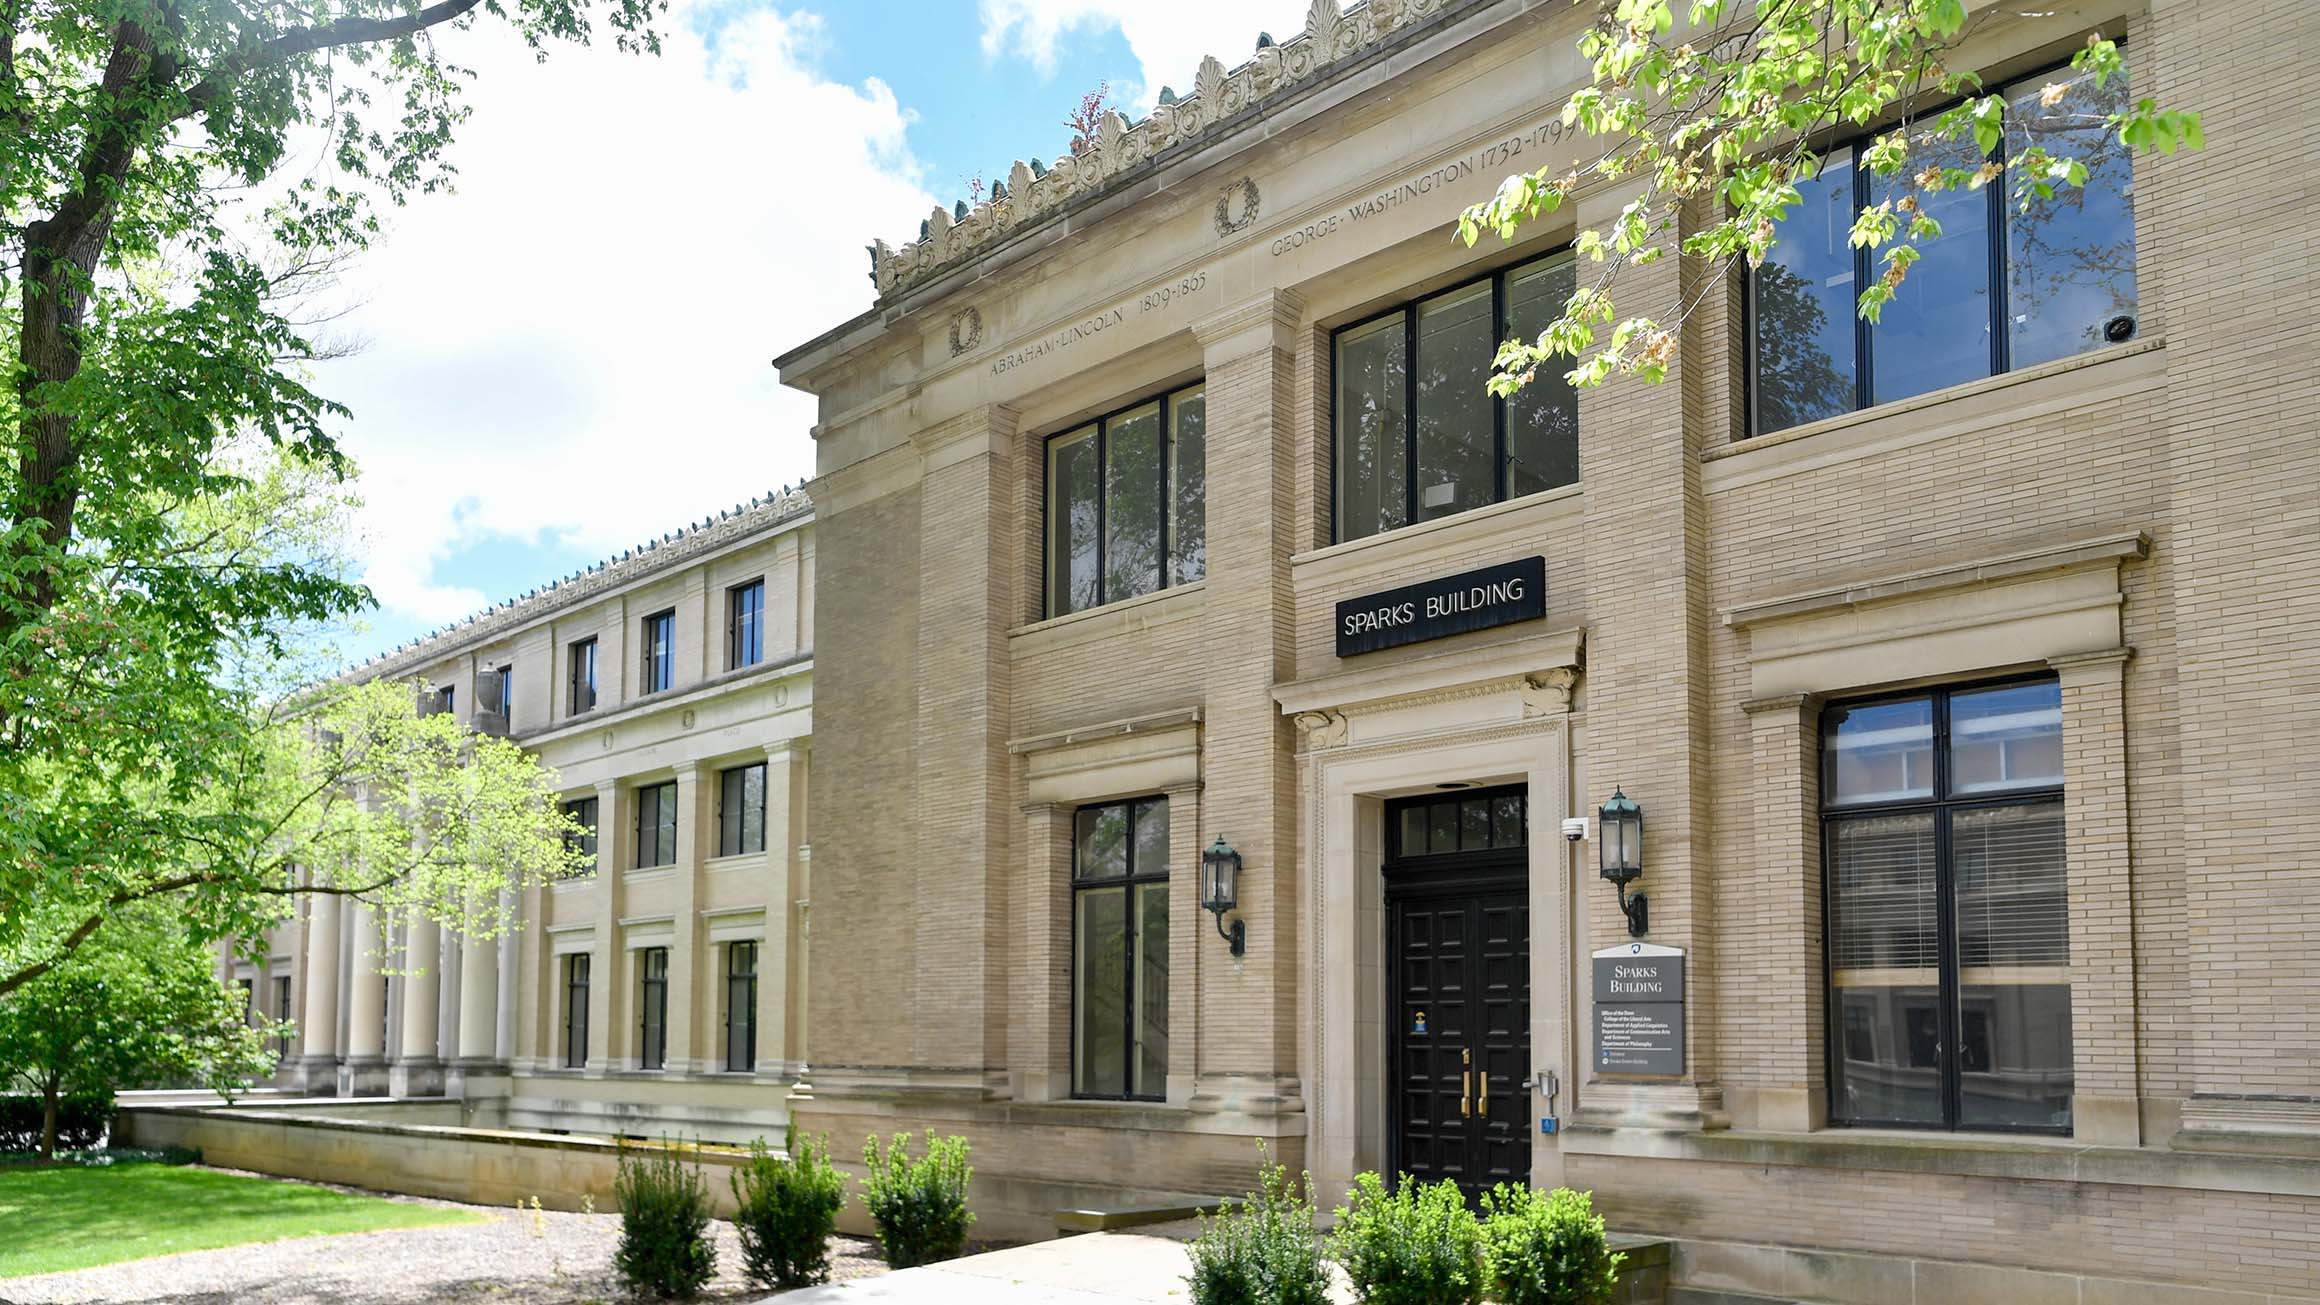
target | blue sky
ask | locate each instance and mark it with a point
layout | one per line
(570, 353)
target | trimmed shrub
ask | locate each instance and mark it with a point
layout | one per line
(664, 1225)
(1261, 1251)
(785, 1208)
(920, 1205)
(1410, 1245)
(1546, 1248)
(81, 1120)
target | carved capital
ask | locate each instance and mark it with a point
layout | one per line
(1548, 693)
(1267, 321)
(1322, 729)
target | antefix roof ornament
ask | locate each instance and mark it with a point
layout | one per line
(1332, 36)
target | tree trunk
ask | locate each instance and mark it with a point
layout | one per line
(48, 1106)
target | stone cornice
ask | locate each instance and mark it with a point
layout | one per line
(1334, 39)
(687, 543)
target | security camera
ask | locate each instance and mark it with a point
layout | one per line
(1575, 828)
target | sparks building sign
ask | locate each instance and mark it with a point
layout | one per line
(1433, 609)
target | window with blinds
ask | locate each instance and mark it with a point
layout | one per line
(1948, 909)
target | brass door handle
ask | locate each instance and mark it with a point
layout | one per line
(1465, 1088)
(1485, 1108)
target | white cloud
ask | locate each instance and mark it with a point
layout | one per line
(575, 347)
(1167, 39)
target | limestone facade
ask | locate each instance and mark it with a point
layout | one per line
(2133, 525)
(413, 1010)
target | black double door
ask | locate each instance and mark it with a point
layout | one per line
(1459, 998)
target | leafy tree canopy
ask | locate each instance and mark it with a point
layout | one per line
(140, 1006)
(172, 173)
(1715, 125)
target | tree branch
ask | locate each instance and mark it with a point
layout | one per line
(349, 30)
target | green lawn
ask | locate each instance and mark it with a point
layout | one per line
(75, 1217)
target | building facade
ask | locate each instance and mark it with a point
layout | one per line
(1959, 669)
(671, 691)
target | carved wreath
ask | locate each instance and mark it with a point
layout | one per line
(966, 330)
(1246, 190)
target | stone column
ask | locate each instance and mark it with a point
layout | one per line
(696, 840)
(1249, 1005)
(510, 960)
(318, 1032)
(961, 927)
(1773, 931)
(418, 1072)
(2105, 1068)
(773, 954)
(366, 1004)
(1647, 675)
(479, 1007)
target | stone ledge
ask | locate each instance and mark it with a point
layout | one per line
(2028, 1159)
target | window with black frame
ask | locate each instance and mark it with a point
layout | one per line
(1418, 437)
(576, 1010)
(582, 676)
(2005, 285)
(656, 825)
(745, 625)
(1119, 930)
(1127, 503)
(740, 1007)
(583, 810)
(741, 810)
(660, 652)
(1948, 909)
(282, 1015)
(652, 1047)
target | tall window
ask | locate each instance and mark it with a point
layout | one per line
(282, 1015)
(507, 696)
(741, 810)
(576, 1010)
(582, 676)
(740, 1007)
(660, 651)
(249, 989)
(1119, 911)
(1948, 910)
(656, 825)
(745, 624)
(652, 1048)
(1418, 437)
(584, 811)
(2003, 286)
(1127, 503)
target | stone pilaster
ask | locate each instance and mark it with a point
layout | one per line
(1249, 1006)
(2105, 1066)
(688, 1049)
(615, 852)
(1773, 928)
(775, 971)
(962, 925)
(1040, 1037)
(1648, 683)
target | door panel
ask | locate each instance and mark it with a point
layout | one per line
(1461, 988)
(1436, 1028)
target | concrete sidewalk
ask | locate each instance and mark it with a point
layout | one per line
(1091, 1269)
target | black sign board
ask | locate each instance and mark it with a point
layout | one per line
(1639, 1009)
(1432, 609)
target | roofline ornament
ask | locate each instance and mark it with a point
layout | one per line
(1332, 35)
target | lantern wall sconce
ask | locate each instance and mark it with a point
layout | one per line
(1220, 887)
(1619, 843)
